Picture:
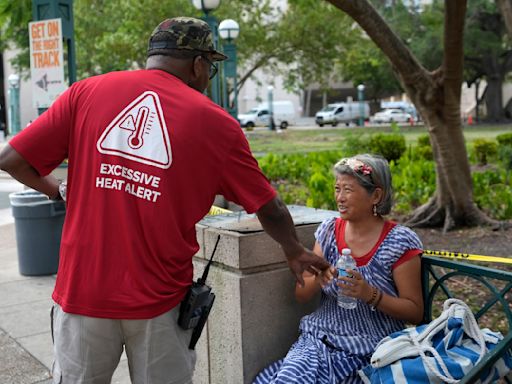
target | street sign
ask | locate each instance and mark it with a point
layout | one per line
(46, 61)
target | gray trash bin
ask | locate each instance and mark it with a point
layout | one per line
(38, 222)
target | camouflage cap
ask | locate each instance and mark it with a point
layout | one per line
(184, 34)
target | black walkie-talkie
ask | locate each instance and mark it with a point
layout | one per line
(196, 306)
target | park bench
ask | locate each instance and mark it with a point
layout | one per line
(437, 276)
(255, 296)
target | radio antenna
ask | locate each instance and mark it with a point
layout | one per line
(202, 280)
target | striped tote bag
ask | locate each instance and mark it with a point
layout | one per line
(441, 351)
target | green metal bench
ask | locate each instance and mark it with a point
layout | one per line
(438, 274)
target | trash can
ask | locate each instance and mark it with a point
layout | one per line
(38, 223)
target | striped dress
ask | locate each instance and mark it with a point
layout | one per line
(334, 342)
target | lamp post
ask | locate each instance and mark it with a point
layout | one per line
(207, 6)
(228, 31)
(360, 96)
(271, 125)
(14, 103)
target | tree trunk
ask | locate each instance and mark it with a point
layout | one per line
(505, 7)
(436, 95)
(494, 98)
(494, 74)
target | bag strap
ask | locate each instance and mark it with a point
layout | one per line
(451, 308)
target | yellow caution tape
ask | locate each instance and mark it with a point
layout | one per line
(214, 210)
(468, 256)
(218, 211)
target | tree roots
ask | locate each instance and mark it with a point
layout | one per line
(434, 215)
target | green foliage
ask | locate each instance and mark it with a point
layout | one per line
(364, 63)
(423, 140)
(505, 149)
(505, 156)
(484, 38)
(308, 179)
(493, 193)
(391, 145)
(484, 149)
(504, 139)
(312, 37)
(427, 38)
(414, 182)
(355, 143)
(113, 35)
(14, 19)
(321, 190)
(423, 149)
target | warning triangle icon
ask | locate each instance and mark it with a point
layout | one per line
(128, 123)
(139, 133)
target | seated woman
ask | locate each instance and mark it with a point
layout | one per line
(335, 342)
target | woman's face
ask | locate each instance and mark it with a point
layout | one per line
(353, 201)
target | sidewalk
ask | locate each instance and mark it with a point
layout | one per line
(26, 351)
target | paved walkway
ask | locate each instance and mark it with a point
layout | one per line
(26, 351)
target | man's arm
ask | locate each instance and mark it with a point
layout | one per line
(277, 222)
(14, 164)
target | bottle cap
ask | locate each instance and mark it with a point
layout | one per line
(346, 251)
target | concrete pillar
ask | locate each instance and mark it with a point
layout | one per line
(255, 317)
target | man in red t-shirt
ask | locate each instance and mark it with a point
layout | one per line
(147, 154)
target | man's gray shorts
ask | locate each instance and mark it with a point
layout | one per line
(87, 349)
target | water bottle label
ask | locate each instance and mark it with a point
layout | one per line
(342, 272)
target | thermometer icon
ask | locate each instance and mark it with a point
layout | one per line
(135, 140)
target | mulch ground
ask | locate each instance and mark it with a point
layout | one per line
(479, 241)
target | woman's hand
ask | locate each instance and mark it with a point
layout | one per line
(322, 278)
(314, 278)
(355, 286)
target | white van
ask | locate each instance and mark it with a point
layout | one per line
(283, 111)
(342, 113)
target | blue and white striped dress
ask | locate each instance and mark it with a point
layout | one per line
(334, 342)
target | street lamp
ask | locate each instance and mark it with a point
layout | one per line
(360, 96)
(228, 31)
(271, 125)
(207, 6)
(14, 103)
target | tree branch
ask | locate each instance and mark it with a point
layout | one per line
(385, 38)
(259, 63)
(505, 7)
(245, 77)
(453, 62)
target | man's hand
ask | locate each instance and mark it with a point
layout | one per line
(277, 222)
(308, 261)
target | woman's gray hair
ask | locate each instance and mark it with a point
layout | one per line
(370, 171)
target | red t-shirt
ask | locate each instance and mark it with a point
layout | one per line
(147, 155)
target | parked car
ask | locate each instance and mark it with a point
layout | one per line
(283, 111)
(342, 113)
(390, 116)
(403, 105)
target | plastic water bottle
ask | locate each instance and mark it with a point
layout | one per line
(345, 262)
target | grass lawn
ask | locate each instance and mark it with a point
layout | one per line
(324, 139)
